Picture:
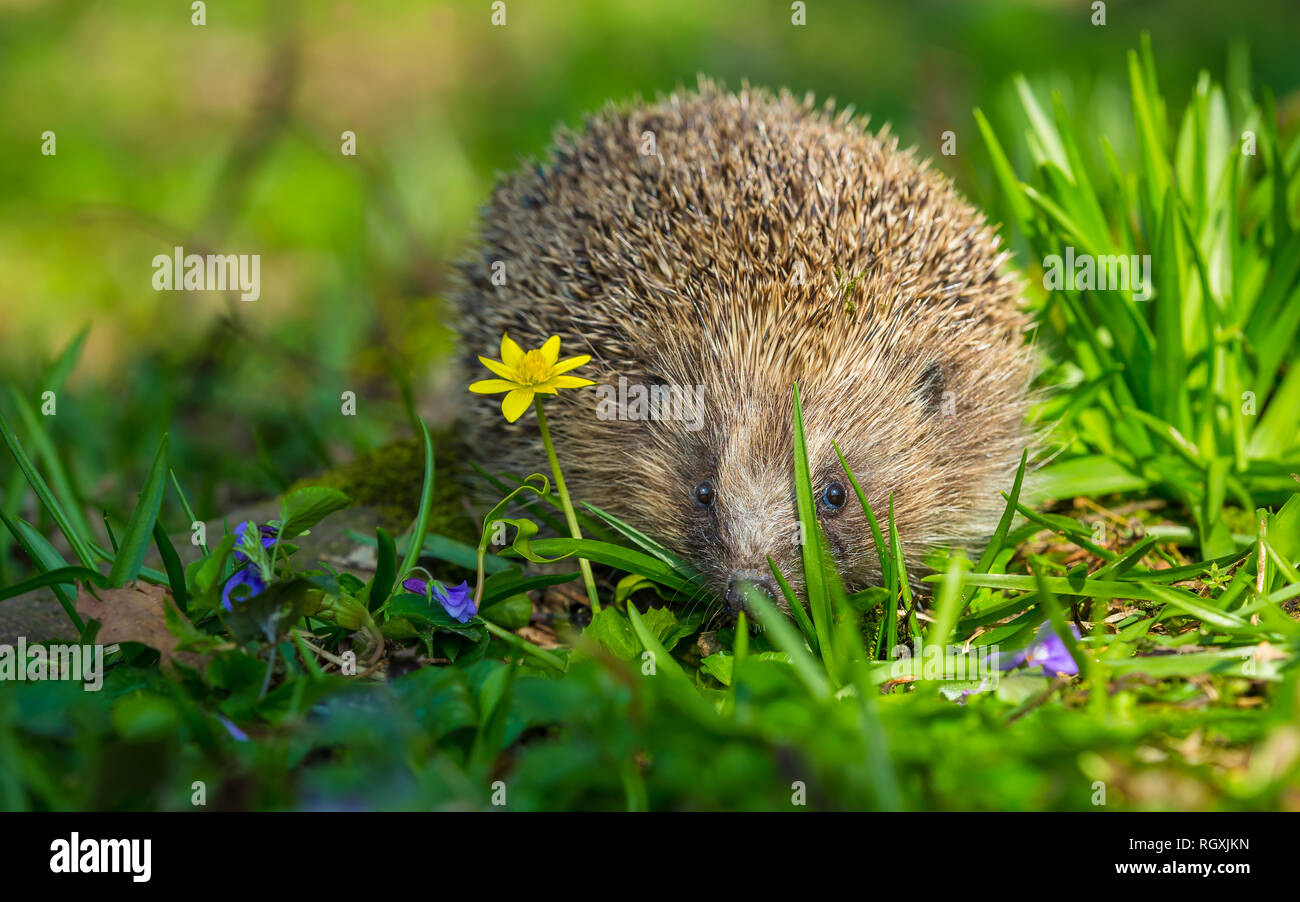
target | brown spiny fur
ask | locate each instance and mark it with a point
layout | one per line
(722, 260)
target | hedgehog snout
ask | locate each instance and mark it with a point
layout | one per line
(735, 597)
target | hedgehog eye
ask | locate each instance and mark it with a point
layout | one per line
(834, 496)
(704, 494)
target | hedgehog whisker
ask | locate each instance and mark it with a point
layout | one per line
(698, 596)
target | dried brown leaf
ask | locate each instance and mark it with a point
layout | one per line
(137, 614)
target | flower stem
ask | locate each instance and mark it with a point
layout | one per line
(569, 515)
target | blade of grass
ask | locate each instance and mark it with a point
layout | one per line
(641, 540)
(814, 582)
(60, 484)
(628, 560)
(381, 585)
(62, 576)
(421, 524)
(185, 505)
(664, 661)
(991, 550)
(139, 528)
(785, 638)
(796, 606)
(46, 497)
(948, 605)
(46, 558)
(877, 538)
(172, 564)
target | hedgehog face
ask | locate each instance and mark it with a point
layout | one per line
(749, 516)
(740, 505)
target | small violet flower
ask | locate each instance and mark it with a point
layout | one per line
(235, 733)
(250, 578)
(456, 600)
(268, 534)
(1047, 651)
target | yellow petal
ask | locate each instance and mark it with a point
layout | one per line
(511, 353)
(501, 369)
(515, 403)
(491, 386)
(551, 350)
(571, 364)
(570, 382)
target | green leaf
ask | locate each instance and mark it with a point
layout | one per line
(46, 497)
(948, 604)
(1093, 474)
(1150, 128)
(628, 560)
(172, 564)
(206, 574)
(61, 576)
(423, 612)
(1012, 189)
(792, 600)
(785, 638)
(513, 581)
(302, 509)
(668, 628)
(882, 551)
(145, 717)
(1239, 661)
(46, 558)
(819, 601)
(642, 541)
(139, 528)
(664, 662)
(613, 631)
(381, 586)
(60, 484)
(985, 563)
(460, 553)
(511, 613)
(268, 615)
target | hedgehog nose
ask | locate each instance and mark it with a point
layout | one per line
(735, 597)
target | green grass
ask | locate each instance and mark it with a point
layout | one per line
(1190, 394)
(1183, 599)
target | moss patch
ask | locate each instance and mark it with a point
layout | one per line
(388, 480)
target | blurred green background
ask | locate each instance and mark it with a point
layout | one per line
(226, 138)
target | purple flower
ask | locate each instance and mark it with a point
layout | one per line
(1047, 651)
(456, 600)
(235, 733)
(250, 578)
(268, 539)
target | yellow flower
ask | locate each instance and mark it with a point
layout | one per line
(527, 373)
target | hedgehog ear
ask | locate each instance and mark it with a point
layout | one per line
(930, 386)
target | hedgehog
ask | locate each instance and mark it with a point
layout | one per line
(721, 247)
